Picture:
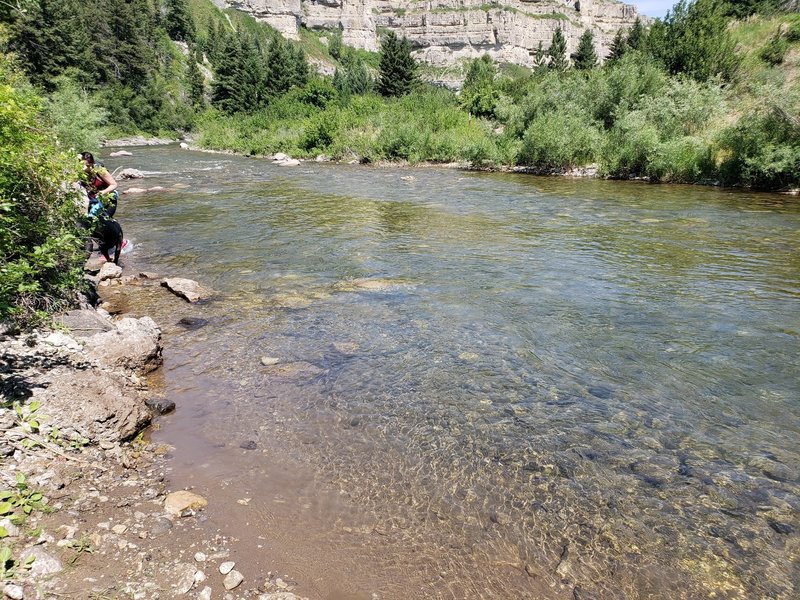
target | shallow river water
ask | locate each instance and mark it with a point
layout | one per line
(486, 385)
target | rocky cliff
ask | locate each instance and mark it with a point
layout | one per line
(443, 32)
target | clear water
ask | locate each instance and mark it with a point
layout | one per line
(521, 387)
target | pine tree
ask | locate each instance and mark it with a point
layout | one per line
(539, 57)
(585, 57)
(301, 71)
(558, 52)
(197, 87)
(178, 21)
(228, 72)
(637, 35)
(280, 68)
(617, 49)
(398, 70)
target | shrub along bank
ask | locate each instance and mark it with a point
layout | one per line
(41, 252)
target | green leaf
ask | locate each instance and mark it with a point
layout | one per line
(36, 497)
(6, 494)
(34, 406)
(27, 509)
(6, 507)
(3, 532)
(5, 555)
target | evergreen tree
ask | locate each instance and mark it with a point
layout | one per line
(197, 88)
(539, 57)
(228, 72)
(637, 36)
(301, 71)
(280, 68)
(353, 77)
(617, 49)
(398, 70)
(335, 44)
(178, 21)
(51, 37)
(585, 57)
(557, 53)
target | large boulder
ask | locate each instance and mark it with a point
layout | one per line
(135, 344)
(96, 404)
(85, 323)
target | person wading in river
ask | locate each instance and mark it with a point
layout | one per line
(100, 186)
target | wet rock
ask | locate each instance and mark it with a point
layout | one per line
(189, 290)
(160, 406)
(291, 162)
(13, 591)
(121, 153)
(184, 146)
(177, 502)
(85, 323)
(227, 567)
(232, 580)
(149, 275)
(135, 344)
(782, 528)
(109, 271)
(248, 445)
(130, 174)
(600, 391)
(192, 322)
(43, 563)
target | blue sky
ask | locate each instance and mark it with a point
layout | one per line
(653, 8)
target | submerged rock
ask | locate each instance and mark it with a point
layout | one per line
(160, 406)
(192, 322)
(188, 289)
(121, 153)
(131, 174)
(177, 502)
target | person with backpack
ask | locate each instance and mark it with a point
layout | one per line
(100, 186)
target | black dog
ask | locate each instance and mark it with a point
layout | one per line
(109, 234)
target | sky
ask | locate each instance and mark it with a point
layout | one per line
(653, 8)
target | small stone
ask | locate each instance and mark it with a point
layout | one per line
(782, 528)
(14, 592)
(205, 594)
(119, 529)
(200, 557)
(177, 502)
(282, 585)
(268, 361)
(248, 445)
(199, 577)
(160, 527)
(192, 323)
(232, 579)
(226, 567)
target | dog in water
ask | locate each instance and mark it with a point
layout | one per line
(109, 234)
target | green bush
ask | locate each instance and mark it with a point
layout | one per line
(77, 121)
(774, 50)
(629, 147)
(40, 251)
(680, 160)
(559, 140)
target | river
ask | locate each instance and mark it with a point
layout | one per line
(484, 385)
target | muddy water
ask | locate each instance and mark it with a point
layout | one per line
(485, 386)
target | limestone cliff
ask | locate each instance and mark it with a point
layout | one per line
(444, 31)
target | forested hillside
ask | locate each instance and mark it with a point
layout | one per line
(707, 94)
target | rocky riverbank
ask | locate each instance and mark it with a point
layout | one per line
(85, 508)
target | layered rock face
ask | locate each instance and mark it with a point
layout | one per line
(443, 32)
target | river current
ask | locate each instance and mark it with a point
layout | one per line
(430, 383)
